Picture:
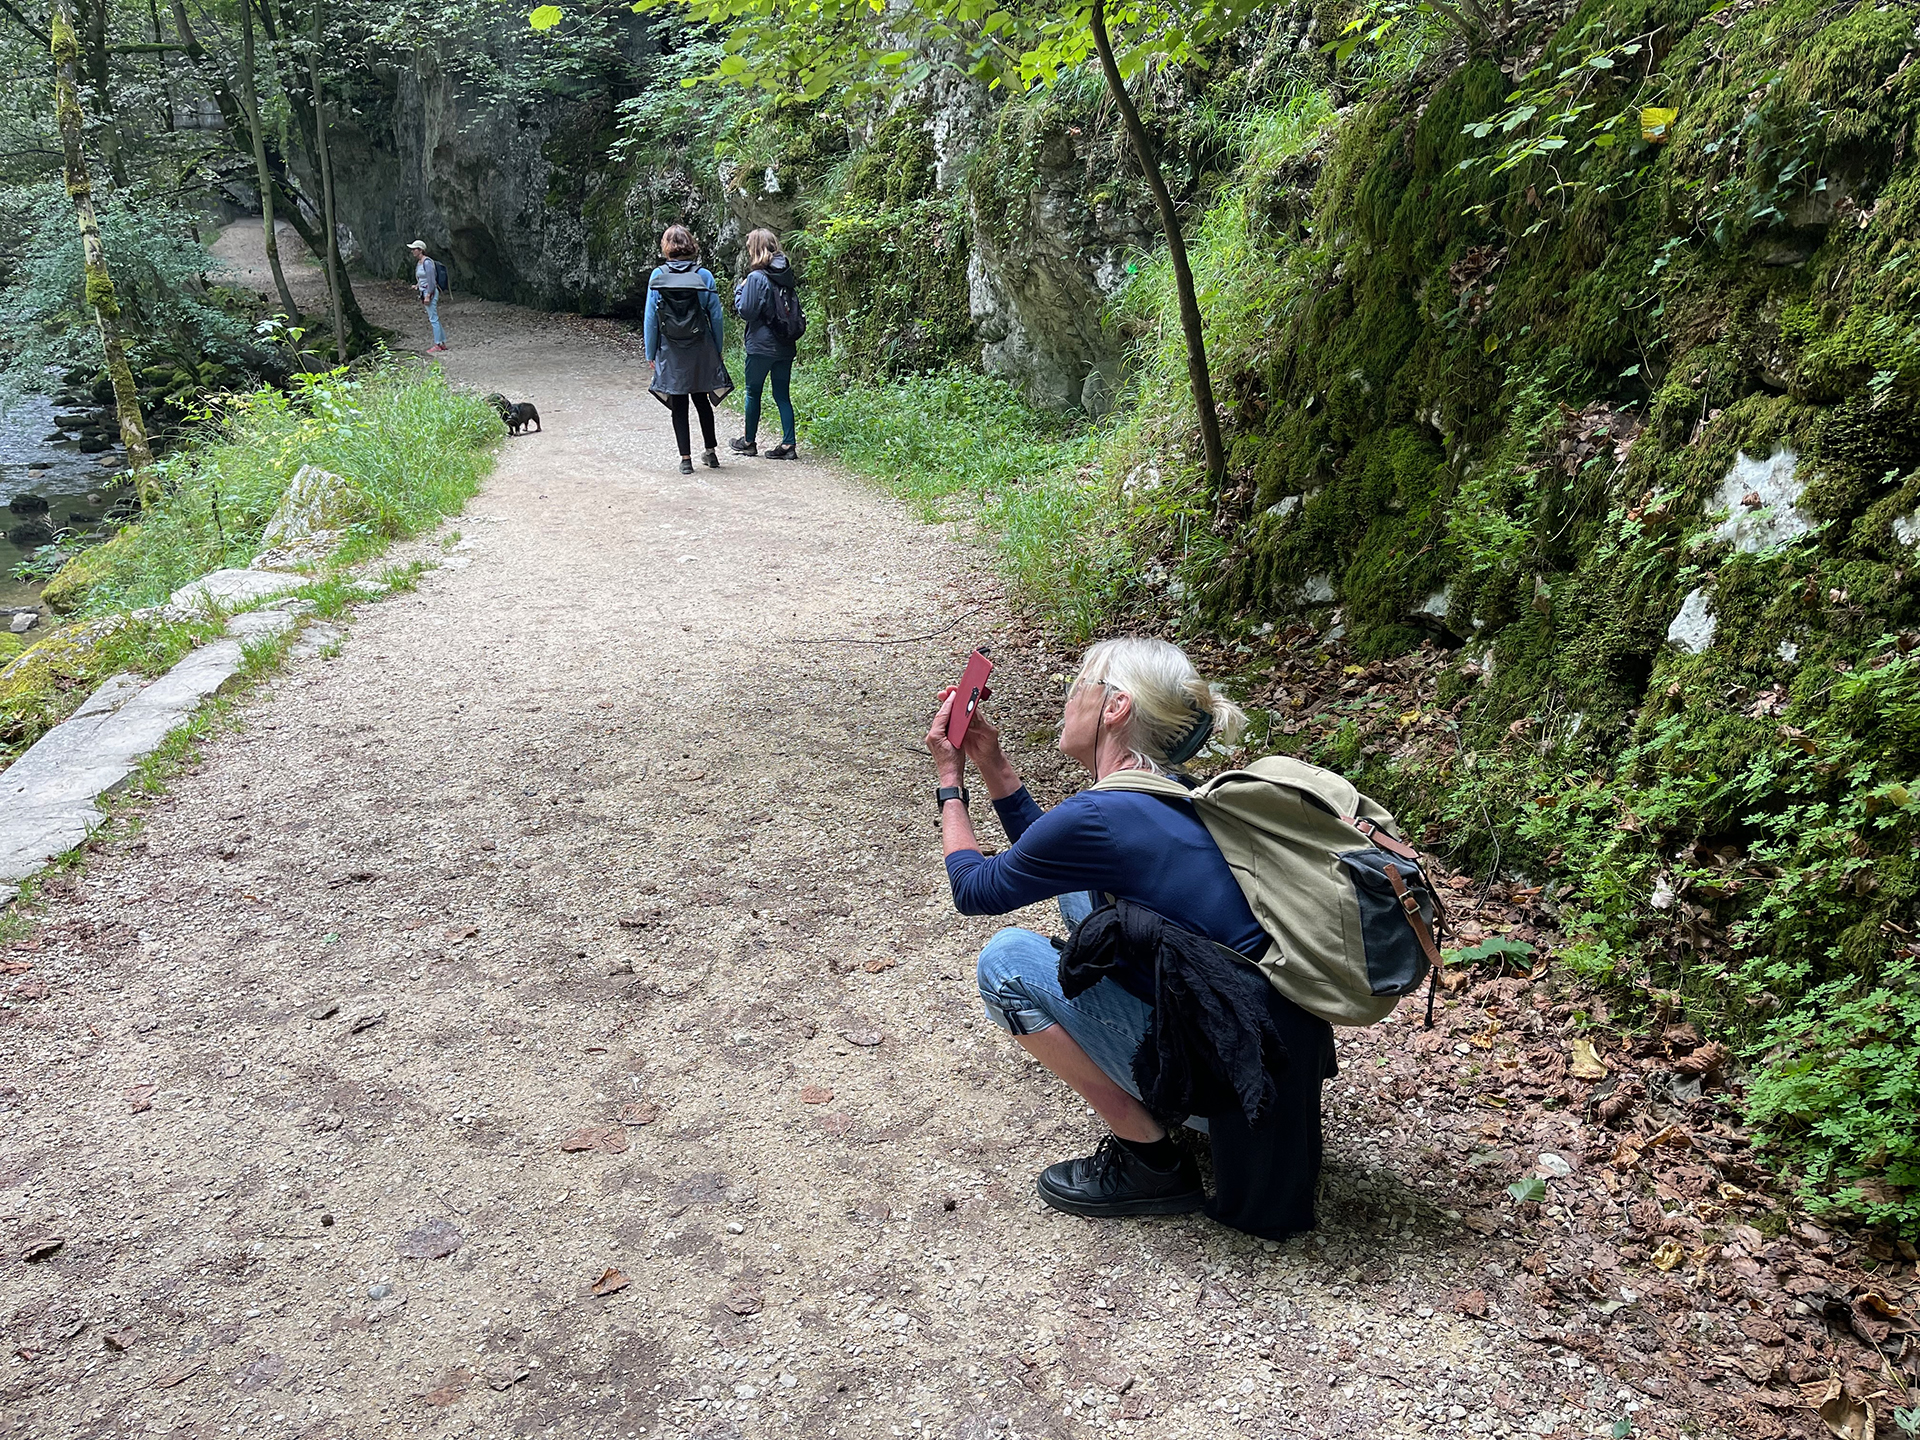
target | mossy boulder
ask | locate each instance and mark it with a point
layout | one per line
(36, 685)
(67, 591)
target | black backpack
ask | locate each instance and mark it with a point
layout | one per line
(783, 313)
(683, 312)
(440, 278)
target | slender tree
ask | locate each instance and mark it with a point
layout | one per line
(326, 181)
(100, 88)
(99, 283)
(1198, 374)
(250, 96)
(233, 114)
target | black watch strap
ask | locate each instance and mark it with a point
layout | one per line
(951, 792)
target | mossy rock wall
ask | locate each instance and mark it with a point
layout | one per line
(1632, 432)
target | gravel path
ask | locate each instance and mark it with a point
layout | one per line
(586, 914)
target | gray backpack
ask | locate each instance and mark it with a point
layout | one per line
(1344, 900)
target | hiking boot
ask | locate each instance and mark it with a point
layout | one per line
(709, 459)
(743, 446)
(436, 349)
(785, 450)
(1115, 1181)
(686, 464)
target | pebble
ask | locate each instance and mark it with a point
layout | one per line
(734, 1227)
(379, 1291)
(23, 621)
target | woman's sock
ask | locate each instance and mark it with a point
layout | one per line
(1161, 1154)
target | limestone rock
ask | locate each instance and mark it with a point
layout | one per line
(311, 520)
(1693, 628)
(1759, 496)
(48, 796)
(226, 589)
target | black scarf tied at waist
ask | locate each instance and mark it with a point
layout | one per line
(1212, 1046)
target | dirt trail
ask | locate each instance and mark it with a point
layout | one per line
(368, 959)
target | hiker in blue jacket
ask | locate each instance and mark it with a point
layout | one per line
(766, 299)
(683, 333)
(1136, 704)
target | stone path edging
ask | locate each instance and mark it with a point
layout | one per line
(49, 797)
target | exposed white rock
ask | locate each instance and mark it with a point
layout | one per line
(228, 588)
(1318, 590)
(1787, 651)
(1776, 520)
(310, 522)
(48, 797)
(1693, 628)
(1285, 506)
(1435, 605)
(1906, 529)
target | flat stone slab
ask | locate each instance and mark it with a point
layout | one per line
(229, 588)
(48, 797)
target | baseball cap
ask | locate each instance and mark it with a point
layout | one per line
(416, 245)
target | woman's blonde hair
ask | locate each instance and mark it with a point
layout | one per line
(678, 244)
(1174, 712)
(762, 247)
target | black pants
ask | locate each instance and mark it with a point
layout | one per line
(682, 431)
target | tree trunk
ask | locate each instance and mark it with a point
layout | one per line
(326, 182)
(236, 125)
(100, 296)
(1197, 373)
(252, 99)
(166, 65)
(94, 12)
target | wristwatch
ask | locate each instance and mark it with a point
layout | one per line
(951, 792)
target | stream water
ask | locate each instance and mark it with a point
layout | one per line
(40, 463)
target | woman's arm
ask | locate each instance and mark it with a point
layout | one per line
(1066, 849)
(717, 313)
(650, 328)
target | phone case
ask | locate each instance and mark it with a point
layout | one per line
(972, 690)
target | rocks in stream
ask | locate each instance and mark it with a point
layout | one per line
(28, 505)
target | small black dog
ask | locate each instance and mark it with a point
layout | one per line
(518, 417)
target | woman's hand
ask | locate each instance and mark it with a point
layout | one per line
(949, 765)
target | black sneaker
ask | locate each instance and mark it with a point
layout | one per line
(686, 464)
(1115, 1181)
(743, 446)
(709, 459)
(786, 450)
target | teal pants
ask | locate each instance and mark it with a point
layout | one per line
(759, 367)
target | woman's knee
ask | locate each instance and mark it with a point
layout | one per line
(1017, 972)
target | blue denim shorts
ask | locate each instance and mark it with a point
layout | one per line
(1020, 987)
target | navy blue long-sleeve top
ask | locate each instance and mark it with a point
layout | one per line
(1145, 848)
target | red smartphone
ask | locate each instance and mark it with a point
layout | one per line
(971, 690)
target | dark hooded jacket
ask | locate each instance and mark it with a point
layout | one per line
(1223, 1044)
(753, 299)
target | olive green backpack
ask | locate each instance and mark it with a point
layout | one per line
(1344, 900)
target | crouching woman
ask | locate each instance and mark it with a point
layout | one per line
(1158, 985)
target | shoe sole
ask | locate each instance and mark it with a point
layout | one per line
(1117, 1209)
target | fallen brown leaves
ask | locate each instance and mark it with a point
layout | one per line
(610, 1282)
(607, 1139)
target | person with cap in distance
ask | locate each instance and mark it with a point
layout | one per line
(426, 279)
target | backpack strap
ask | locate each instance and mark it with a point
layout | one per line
(1410, 907)
(1380, 836)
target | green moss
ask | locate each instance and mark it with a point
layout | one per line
(885, 255)
(67, 590)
